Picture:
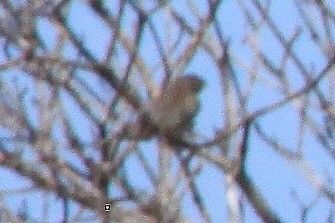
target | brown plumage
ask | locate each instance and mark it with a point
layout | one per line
(176, 106)
(172, 112)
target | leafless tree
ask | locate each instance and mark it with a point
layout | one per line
(109, 111)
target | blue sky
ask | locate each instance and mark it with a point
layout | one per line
(274, 176)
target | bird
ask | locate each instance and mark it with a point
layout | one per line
(171, 113)
(174, 109)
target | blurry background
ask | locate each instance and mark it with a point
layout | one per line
(76, 75)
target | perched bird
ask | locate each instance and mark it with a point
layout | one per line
(174, 109)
